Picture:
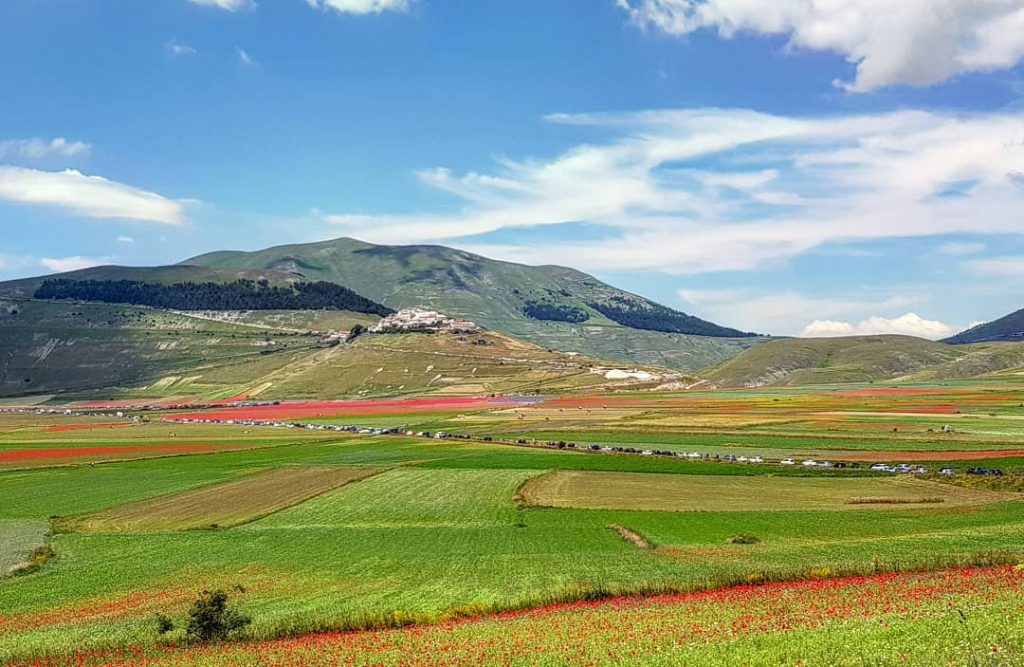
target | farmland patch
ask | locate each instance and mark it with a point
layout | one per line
(715, 493)
(228, 503)
(18, 537)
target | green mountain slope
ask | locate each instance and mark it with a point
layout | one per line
(804, 361)
(93, 350)
(1008, 328)
(499, 295)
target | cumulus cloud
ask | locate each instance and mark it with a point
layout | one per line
(229, 5)
(781, 186)
(36, 149)
(361, 6)
(780, 313)
(75, 263)
(87, 196)
(909, 324)
(912, 42)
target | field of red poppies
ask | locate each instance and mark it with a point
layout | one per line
(971, 616)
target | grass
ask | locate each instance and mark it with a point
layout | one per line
(440, 536)
(707, 493)
(967, 617)
(225, 504)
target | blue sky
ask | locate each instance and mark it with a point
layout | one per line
(780, 167)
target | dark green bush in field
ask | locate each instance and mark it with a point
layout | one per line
(164, 624)
(210, 619)
(744, 539)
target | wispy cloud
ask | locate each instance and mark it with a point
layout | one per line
(780, 186)
(75, 263)
(36, 149)
(128, 240)
(361, 6)
(87, 196)
(998, 267)
(244, 57)
(960, 249)
(176, 48)
(229, 5)
(911, 42)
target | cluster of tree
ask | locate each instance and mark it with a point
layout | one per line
(554, 312)
(237, 295)
(655, 317)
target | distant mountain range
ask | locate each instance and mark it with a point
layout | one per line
(552, 306)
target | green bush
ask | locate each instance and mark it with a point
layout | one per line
(210, 619)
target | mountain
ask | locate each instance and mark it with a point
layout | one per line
(552, 306)
(806, 361)
(1008, 328)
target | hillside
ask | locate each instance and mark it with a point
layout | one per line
(805, 361)
(1009, 328)
(552, 306)
(73, 350)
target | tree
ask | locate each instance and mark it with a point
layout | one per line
(210, 619)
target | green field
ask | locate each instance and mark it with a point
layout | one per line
(313, 530)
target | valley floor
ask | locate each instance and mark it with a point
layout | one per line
(108, 521)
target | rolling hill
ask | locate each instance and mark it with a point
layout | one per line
(1008, 328)
(95, 350)
(806, 361)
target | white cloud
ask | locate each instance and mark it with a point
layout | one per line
(36, 149)
(88, 196)
(912, 42)
(125, 239)
(229, 5)
(782, 313)
(909, 324)
(998, 267)
(62, 264)
(177, 48)
(244, 57)
(782, 186)
(361, 6)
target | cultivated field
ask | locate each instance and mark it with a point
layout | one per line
(718, 493)
(322, 531)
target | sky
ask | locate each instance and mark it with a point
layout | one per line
(798, 167)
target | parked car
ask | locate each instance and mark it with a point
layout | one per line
(948, 472)
(810, 463)
(787, 462)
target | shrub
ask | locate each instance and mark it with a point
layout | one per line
(164, 624)
(210, 619)
(744, 539)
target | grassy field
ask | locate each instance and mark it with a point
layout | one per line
(968, 617)
(717, 493)
(439, 529)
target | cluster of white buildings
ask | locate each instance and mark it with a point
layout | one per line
(416, 319)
